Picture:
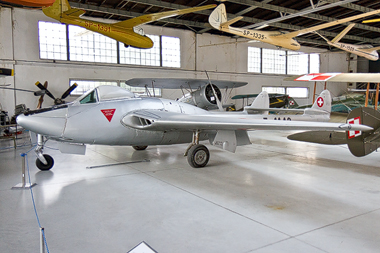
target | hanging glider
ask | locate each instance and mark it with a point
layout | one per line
(126, 31)
(218, 20)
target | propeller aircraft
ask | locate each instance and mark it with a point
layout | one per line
(366, 51)
(126, 31)
(218, 20)
(111, 115)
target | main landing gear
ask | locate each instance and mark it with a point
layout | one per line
(197, 154)
(43, 161)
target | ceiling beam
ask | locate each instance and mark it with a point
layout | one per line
(311, 15)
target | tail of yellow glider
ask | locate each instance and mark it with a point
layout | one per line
(59, 8)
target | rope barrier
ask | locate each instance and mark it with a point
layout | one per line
(33, 202)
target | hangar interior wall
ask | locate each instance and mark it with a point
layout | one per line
(19, 49)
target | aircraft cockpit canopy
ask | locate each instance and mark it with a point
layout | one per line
(105, 93)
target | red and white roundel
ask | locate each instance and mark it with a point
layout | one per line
(320, 102)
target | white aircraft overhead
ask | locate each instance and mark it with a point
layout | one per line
(366, 51)
(110, 115)
(218, 20)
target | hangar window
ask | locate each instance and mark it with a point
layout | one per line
(274, 61)
(52, 38)
(148, 57)
(274, 90)
(271, 61)
(314, 63)
(298, 64)
(86, 85)
(254, 59)
(91, 47)
(56, 40)
(295, 92)
(171, 52)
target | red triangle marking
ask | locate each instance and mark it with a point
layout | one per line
(108, 113)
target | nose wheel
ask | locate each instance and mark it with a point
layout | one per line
(43, 161)
(49, 162)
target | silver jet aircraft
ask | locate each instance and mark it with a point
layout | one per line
(110, 115)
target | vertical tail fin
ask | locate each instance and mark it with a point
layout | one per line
(55, 11)
(260, 102)
(323, 102)
(218, 16)
(342, 33)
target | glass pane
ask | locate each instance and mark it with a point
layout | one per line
(52, 40)
(254, 59)
(298, 64)
(171, 52)
(89, 46)
(136, 56)
(314, 63)
(297, 92)
(274, 90)
(274, 61)
(86, 85)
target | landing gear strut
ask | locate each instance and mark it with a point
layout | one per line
(197, 154)
(43, 162)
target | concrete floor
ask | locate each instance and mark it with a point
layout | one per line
(275, 195)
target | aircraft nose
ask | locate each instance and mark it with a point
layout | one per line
(43, 123)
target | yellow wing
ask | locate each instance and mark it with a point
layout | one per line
(371, 20)
(130, 23)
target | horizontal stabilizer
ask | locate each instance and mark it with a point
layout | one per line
(364, 143)
(341, 35)
(320, 137)
(73, 12)
(230, 22)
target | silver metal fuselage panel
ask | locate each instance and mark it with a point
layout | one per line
(86, 123)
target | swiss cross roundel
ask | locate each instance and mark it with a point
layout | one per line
(320, 102)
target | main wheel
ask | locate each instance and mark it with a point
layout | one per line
(139, 147)
(198, 156)
(48, 166)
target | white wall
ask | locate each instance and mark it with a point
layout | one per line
(226, 60)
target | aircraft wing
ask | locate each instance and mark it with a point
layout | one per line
(157, 120)
(338, 77)
(173, 83)
(325, 25)
(130, 23)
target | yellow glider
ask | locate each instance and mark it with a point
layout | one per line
(121, 31)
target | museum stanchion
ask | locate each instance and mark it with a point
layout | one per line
(29, 185)
(23, 184)
(42, 240)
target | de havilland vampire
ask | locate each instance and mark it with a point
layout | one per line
(110, 115)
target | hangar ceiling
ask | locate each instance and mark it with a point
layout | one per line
(254, 12)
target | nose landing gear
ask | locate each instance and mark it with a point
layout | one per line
(43, 161)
